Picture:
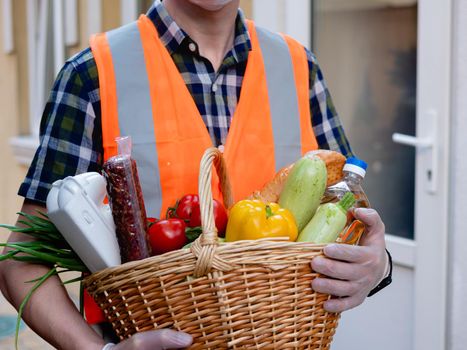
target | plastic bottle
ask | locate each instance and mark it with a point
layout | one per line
(354, 173)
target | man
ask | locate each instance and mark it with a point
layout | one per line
(210, 56)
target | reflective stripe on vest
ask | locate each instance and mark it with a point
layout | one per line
(134, 108)
(282, 97)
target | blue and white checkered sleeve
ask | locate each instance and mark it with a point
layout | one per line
(70, 136)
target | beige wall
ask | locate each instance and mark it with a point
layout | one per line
(21, 55)
(110, 20)
(246, 6)
(11, 106)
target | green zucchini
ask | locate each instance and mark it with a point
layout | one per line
(328, 222)
(303, 189)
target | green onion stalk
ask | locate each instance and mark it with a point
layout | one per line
(48, 248)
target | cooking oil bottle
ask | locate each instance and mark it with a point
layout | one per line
(354, 173)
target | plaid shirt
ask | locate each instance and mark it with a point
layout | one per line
(71, 132)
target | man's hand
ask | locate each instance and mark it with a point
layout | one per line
(353, 270)
(155, 340)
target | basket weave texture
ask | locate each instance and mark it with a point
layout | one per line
(239, 295)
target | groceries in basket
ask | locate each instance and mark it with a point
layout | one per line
(285, 207)
(304, 188)
(80, 234)
(208, 288)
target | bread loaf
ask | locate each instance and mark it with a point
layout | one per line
(271, 191)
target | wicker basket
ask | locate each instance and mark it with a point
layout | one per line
(240, 295)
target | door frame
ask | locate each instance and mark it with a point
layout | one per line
(432, 208)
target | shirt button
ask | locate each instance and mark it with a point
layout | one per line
(221, 148)
(214, 87)
(192, 47)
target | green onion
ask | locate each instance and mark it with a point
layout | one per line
(48, 248)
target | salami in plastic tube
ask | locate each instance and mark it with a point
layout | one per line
(127, 203)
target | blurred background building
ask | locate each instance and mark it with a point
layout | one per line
(392, 66)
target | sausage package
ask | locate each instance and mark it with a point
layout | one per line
(127, 203)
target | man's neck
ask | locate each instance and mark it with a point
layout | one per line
(213, 31)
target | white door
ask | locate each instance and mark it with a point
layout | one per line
(387, 64)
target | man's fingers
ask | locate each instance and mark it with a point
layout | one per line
(335, 269)
(156, 340)
(342, 304)
(334, 287)
(346, 252)
(171, 339)
(370, 218)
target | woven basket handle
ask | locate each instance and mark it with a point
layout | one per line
(204, 248)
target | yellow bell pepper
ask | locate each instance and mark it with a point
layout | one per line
(253, 219)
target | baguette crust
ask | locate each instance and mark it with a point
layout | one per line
(271, 191)
(334, 164)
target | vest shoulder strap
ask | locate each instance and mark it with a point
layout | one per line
(124, 64)
(287, 73)
(302, 81)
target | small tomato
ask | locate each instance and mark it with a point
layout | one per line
(188, 210)
(220, 217)
(167, 235)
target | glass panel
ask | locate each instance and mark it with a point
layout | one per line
(368, 52)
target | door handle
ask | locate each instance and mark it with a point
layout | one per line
(427, 148)
(412, 140)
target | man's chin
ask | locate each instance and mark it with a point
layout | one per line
(211, 5)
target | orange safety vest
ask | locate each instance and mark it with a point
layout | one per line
(143, 95)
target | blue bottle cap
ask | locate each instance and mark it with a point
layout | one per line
(356, 165)
(357, 162)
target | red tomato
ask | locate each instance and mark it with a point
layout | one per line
(188, 210)
(167, 235)
(220, 216)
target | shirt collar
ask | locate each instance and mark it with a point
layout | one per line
(175, 38)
